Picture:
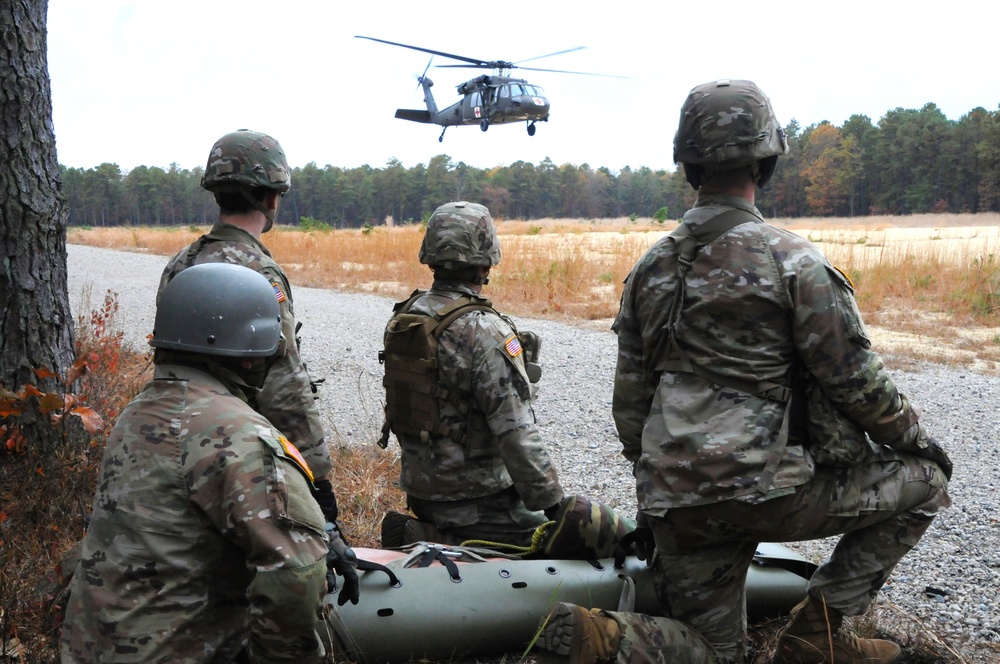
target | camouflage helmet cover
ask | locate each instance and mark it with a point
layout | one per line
(460, 234)
(218, 309)
(246, 159)
(727, 124)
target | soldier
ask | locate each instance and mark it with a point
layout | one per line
(750, 403)
(248, 174)
(205, 543)
(458, 397)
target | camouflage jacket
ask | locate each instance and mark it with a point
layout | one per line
(204, 538)
(756, 301)
(287, 399)
(502, 446)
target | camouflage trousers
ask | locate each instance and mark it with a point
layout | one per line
(882, 506)
(499, 517)
(653, 640)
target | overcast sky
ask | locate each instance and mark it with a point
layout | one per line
(144, 82)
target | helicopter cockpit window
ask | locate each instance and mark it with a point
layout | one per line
(516, 90)
(505, 92)
(534, 91)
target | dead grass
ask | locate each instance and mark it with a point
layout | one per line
(366, 481)
(928, 285)
(45, 498)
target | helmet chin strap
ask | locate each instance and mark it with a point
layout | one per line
(268, 213)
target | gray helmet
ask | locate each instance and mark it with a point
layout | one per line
(246, 159)
(218, 309)
(727, 124)
(460, 234)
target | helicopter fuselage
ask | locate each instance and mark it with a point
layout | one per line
(495, 99)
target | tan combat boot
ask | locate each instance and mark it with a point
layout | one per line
(578, 636)
(813, 636)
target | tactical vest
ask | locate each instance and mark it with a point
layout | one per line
(412, 384)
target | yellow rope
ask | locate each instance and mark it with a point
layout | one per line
(519, 551)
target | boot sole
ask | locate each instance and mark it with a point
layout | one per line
(557, 637)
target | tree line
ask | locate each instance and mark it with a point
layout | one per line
(910, 161)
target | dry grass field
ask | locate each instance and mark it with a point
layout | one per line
(928, 285)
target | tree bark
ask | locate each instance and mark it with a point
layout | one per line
(36, 325)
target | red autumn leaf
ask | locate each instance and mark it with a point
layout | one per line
(43, 373)
(7, 394)
(49, 402)
(10, 408)
(30, 391)
(76, 371)
(92, 421)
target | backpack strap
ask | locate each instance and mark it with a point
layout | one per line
(670, 356)
(673, 357)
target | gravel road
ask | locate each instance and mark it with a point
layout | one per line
(948, 587)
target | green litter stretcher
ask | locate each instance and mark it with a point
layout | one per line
(430, 601)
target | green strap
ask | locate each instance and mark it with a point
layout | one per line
(687, 241)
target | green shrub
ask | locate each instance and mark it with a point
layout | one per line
(309, 224)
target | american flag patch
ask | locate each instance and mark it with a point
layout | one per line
(296, 456)
(278, 293)
(513, 346)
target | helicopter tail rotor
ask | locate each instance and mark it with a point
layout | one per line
(420, 79)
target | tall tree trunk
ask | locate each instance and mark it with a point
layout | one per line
(36, 326)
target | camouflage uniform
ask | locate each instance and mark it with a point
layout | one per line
(750, 403)
(492, 484)
(287, 400)
(204, 539)
(653, 640)
(240, 163)
(714, 475)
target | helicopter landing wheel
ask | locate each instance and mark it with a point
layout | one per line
(531, 129)
(484, 124)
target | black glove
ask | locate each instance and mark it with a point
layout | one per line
(322, 492)
(340, 559)
(645, 545)
(919, 443)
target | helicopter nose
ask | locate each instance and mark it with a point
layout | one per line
(534, 103)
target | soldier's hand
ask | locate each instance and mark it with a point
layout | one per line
(918, 442)
(934, 452)
(322, 491)
(645, 545)
(340, 559)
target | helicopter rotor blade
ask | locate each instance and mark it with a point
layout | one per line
(475, 61)
(563, 71)
(420, 79)
(554, 71)
(485, 65)
(539, 57)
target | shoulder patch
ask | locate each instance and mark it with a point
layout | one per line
(286, 450)
(513, 346)
(278, 293)
(296, 456)
(844, 274)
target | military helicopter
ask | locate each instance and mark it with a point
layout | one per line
(488, 99)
